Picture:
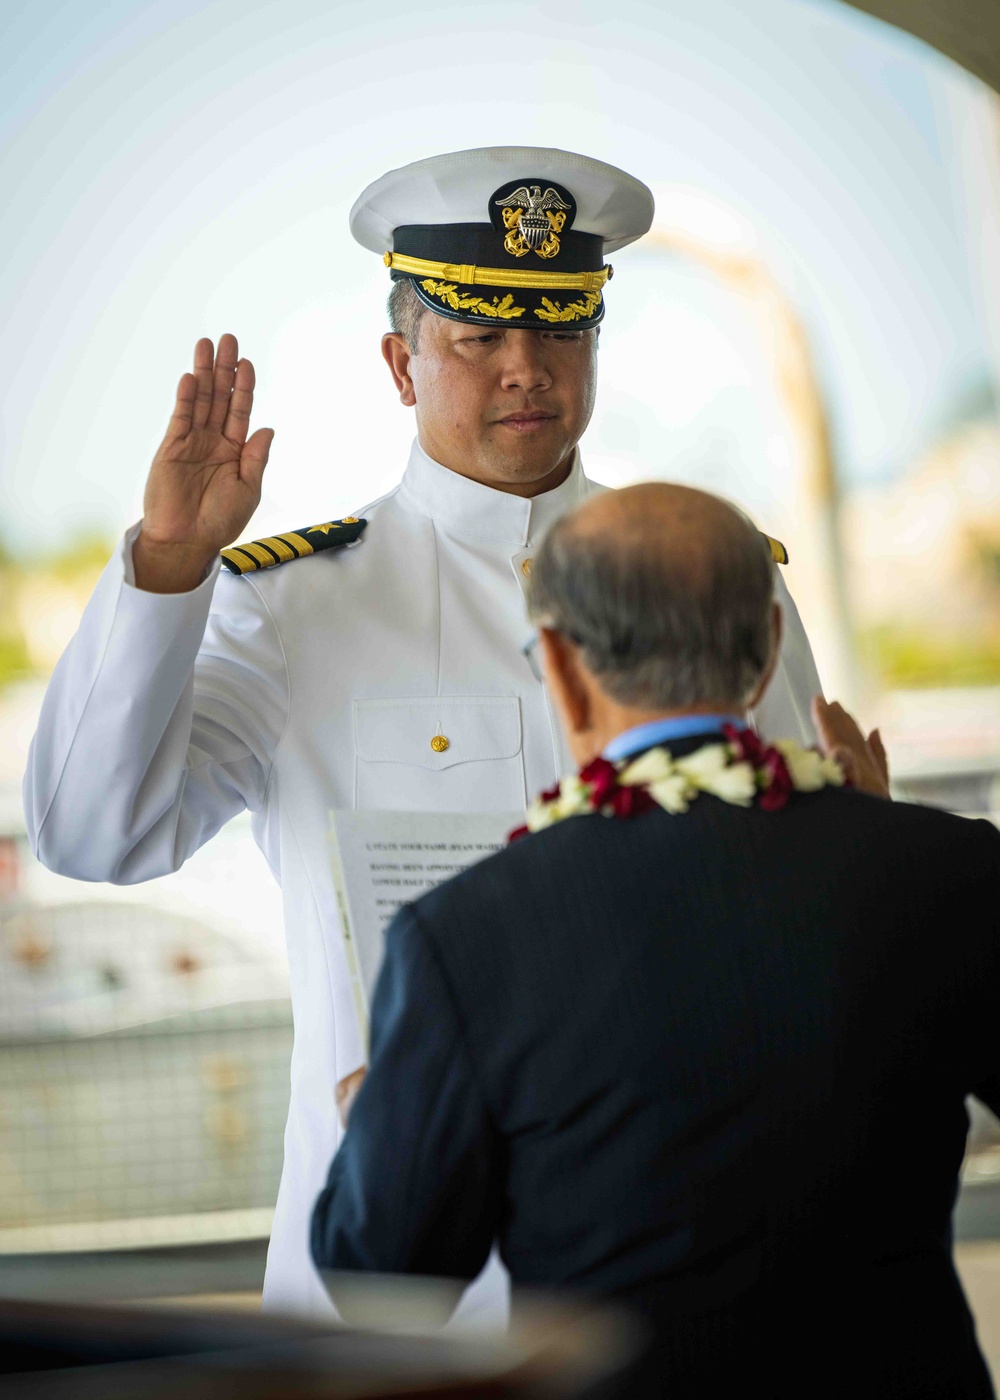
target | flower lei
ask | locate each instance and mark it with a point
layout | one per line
(737, 771)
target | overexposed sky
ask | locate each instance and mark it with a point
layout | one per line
(172, 170)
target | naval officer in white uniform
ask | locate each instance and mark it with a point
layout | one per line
(384, 674)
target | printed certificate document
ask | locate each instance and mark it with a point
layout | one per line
(382, 860)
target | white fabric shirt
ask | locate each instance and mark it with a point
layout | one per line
(312, 685)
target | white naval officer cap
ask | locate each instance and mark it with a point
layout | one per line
(511, 234)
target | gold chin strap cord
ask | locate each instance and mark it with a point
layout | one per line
(471, 276)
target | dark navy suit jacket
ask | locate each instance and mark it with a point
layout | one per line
(713, 1065)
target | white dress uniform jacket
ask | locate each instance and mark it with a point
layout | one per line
(313, 685)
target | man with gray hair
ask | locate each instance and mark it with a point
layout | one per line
(663, 629)
(665, 1052)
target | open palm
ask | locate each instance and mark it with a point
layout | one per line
(864, 761)
(205, 480)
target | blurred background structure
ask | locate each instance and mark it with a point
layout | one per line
(822, 345)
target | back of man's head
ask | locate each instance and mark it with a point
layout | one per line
(667, 590)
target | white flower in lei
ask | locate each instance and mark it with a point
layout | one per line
(572, 801)
(809, 770)
(674, 782)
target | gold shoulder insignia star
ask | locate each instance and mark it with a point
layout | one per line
(254, 555)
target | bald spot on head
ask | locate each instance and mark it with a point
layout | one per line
(667, 589)
(687, 533)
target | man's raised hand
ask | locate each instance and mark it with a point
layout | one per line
(205, 480)
(864, 761)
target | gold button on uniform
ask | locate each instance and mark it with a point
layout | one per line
(439, 743)
(525, 567)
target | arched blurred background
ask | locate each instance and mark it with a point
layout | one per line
(812, 328)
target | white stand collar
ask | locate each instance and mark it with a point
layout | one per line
(465, 507)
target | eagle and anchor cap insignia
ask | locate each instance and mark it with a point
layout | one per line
(506, 235)
(533, 217)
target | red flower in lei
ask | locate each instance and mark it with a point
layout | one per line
(768, 763)
(631, 801)
(606, 791)
(603, 779)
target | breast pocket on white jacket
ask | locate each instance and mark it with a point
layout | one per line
(457, 754)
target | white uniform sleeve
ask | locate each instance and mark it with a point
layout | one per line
(783, 713)
(160, 723)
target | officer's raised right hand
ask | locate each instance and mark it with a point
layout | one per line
(205, 480)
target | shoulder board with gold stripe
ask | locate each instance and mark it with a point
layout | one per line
(294, 544)
(778, 551)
